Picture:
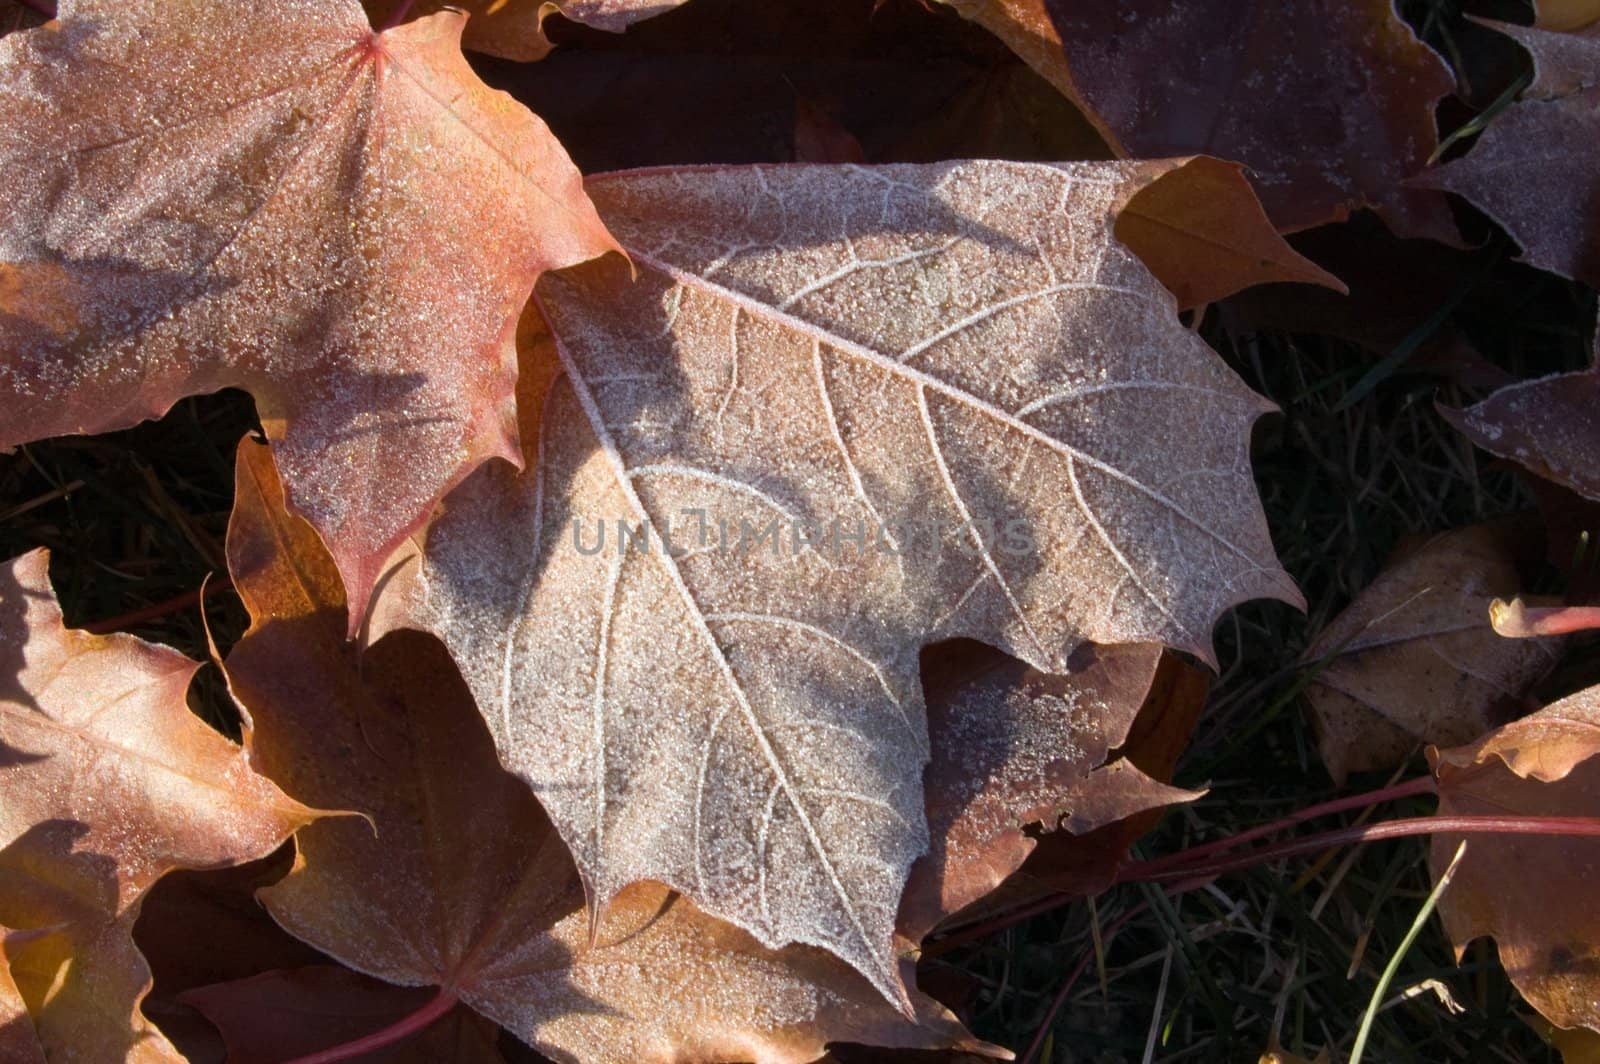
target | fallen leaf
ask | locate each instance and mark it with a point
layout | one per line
(78, 973)
(287, 1014)
(953, 364)
(1085, 863)
(1565, 14)
(1550, 425)
(97, 732)
(819, 138)
(269, 196)
(110, 781)
(1530, 169)
(1578, 1045)
(1203, 234)
(188, 912)
(1330, 104)
(464, 884)
(18, 1041)
(1532, 893)
(514, 29)
(1013, 747)
(1414, 659)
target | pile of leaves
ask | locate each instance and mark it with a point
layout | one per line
(694, 594)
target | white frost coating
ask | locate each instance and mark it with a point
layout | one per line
(96, 734)
(273, 197)
(613, 16)
(770, 770)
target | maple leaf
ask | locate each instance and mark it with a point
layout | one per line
(97, 731)
(182, 921)
(1543, 923)
(1083, 857)
(1565, 14)
(1330, 104)
(78, 974)
(732, 73)
(1414, 659)
(1202, 232)
(465, 884)
(110, 781)
(1011, 747)
(929, 358)
(1530, 170)
(18, 1041)
(1550, 425)
(272, 197)
(514, 29)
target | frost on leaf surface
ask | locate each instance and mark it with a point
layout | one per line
(110, 782)
(273, 197)
(960, 409)
(1533, 169)
(459, 879)
(95, 730)
(1551, 426)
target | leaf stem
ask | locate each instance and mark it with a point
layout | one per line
(1409, 789)
(1184, 859)
(1516, 621)
(1578, 826)
(418, 1021)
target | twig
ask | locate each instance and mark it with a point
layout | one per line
(1517, 621)
(1411, 788)
(1182, 860)
(1571, 826)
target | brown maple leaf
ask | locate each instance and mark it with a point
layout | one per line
(1532, 893)
(842, 412)
(274, 197)
(514, 29)
(1083, 857)
(199, 928)
(1202, 232)
(78, 974)
(464, 884)
(1013, 747)
(1550, 425)
(109, 782)
(1530, 169)
(19, 1042)
(96, 731)
(1329, 103)
(1414, 659)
